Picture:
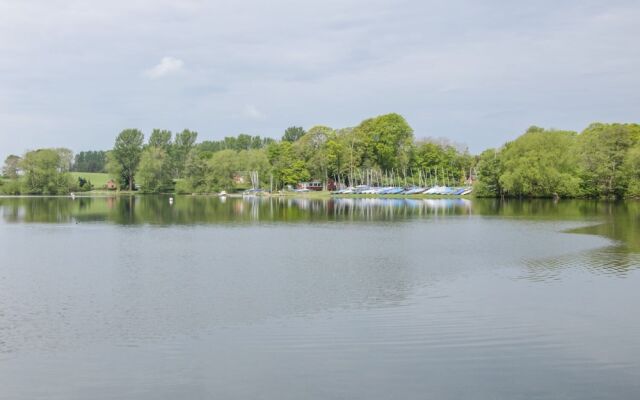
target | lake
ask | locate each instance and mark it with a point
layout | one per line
(294, 298)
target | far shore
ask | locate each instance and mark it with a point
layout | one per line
(290, 194)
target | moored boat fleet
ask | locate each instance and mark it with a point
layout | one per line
(399, 190)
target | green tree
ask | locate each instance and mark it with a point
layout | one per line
(197, 173)
(126, 155)
(541, 163)
(603, 148)
(114, 169)
(287, 168)
(45, 172)
(11, 167)
(294, 173)
(632, 171)
(154, 171)
(489, 171)
(312, 148)
(160, 139)
(254, 160)
(387, 139)
(427, 155)
(442, 160)
(229, 143)
(243, 142)
(223, 166)
(90, 161)
(337, 157)
(66, 158)
(183, 143)
(293, 133)
(344, 152)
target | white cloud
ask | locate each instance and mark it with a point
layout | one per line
(167, 66)
(250, 111)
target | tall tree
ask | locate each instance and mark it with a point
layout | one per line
(489, 171)
(223, 166)
(11, 167)
(66, 158)
(154, 171)
(183, 143)
(354, 147)
(161, 139)
(312, 148)
(197, 173)
(126, 153)
(244, 142)
(90, 161)
(287, 167)
(337, 157)
(388, 140)
(293, 133)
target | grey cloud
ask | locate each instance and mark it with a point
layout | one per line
(72, 72)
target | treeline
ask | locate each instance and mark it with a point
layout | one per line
(384, 144)
(240, 142)
(90, 161)
(603, 161)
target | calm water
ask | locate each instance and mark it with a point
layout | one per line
(134, 298)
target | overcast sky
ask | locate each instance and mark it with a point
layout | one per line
(75, 73)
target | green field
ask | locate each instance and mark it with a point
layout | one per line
(98, 180)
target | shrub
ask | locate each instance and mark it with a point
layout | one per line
(11, 187)
(183, 187)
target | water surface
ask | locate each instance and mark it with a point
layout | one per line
(131, 297)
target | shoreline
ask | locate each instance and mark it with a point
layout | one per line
(322, 195)
(307, 195)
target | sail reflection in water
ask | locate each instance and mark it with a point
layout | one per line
(197, 210)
